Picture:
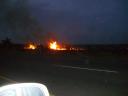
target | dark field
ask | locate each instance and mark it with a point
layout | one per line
(90, 73)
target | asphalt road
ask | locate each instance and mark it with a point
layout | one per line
(62, 80)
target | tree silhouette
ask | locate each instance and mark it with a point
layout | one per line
(7, 42)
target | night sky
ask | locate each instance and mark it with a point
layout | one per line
(68, 21)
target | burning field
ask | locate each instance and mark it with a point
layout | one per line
(30, 46)
(53, 45)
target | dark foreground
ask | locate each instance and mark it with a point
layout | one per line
(46, 68)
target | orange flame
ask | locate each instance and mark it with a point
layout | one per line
(55, 46)
(30, 47)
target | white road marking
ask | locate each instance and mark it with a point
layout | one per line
(7, 79)
(90, 69)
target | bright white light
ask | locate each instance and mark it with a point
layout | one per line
(20, 86)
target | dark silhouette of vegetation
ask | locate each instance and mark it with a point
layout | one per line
(7, 42)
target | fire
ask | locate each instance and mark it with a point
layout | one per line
(30, 46)
(55, 46)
